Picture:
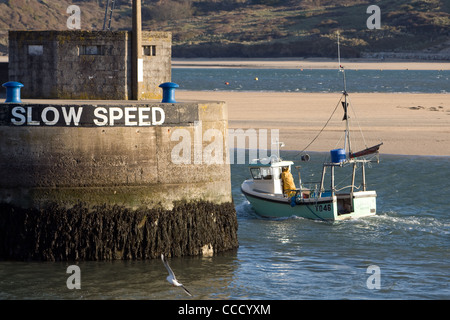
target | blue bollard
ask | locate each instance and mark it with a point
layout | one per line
(168, 92)
(13, 91)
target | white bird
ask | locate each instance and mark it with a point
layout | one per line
(171, 277)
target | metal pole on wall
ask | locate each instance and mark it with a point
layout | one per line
(106, 14)
(136, 56)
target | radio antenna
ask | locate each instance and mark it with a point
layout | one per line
(341, 68)
(339, 52)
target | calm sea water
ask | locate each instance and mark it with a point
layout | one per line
(291, 258)
(294, 258)
(312, 80)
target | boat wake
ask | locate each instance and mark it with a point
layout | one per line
(395, 225)
(419, 224)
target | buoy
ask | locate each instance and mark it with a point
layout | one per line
(256, 78)
(227, 83)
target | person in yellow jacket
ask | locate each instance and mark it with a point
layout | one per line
(288, 182)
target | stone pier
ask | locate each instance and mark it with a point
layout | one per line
(103, 180)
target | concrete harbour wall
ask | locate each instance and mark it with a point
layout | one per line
(101, 180)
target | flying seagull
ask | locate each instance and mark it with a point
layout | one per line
(171, 277)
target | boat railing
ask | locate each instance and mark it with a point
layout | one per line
(307, 191)
(312, 190)
(303, 194)
(309, 187)
(348, 187)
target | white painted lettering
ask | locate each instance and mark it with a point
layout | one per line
(30, 120)
(115, 113)
(20, 118)
(143, 117)
(72, 115)
(129, 116)
(102, 116)
(75, 116)
(55, 116)
(162, 116)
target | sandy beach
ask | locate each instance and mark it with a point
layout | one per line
(312, 63)
(409, 124)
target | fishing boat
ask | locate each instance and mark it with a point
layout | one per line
(320, 200)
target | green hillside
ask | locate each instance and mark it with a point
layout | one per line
(255, 28)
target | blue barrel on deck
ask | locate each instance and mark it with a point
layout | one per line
(337, 155)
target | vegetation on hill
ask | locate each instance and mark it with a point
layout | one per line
(256, 28)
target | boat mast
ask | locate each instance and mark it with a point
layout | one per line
(347, 146)
(347, 128)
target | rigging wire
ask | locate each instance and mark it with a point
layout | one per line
(323, 128)
(344, 94)
(357, 121)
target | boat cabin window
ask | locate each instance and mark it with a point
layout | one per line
(266, 173)
(261, 173)
(256, 173)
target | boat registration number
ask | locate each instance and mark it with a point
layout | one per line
(323, 207)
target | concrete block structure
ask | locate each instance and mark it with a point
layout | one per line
(114, 180)
(109, 179)
(93, 65)
(128, 154)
